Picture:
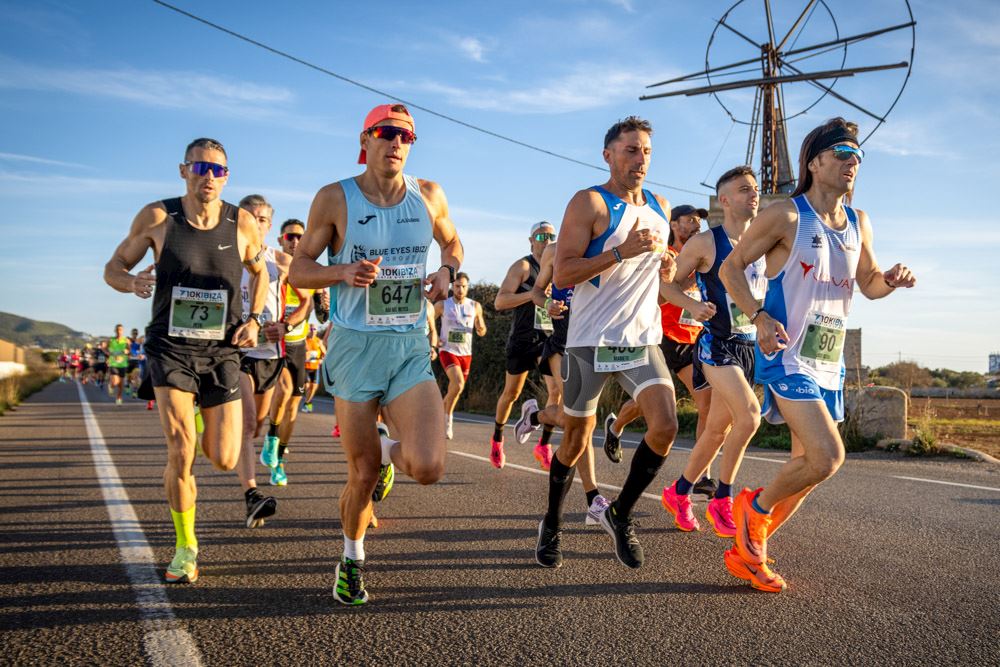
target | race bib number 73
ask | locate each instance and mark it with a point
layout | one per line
(198, 313)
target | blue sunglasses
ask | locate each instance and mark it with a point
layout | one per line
(843, 153)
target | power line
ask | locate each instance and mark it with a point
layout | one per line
(383, 93)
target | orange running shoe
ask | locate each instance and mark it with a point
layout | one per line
(751, 528)
(761, 577)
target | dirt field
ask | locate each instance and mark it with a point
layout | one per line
(956, 408)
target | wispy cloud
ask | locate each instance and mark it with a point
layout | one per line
(627, 5)
(909, 138)
(165, 89)
(472, 48)
(31, 185)
(16, 157)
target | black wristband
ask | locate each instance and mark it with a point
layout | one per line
(754, 316)
(618, 255)
(451, 272)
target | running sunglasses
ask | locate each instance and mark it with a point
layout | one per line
(844, 153)
(390, 132)
(202, 169)
(544, 236)
(288, 236)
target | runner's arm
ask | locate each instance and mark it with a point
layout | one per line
(507, 296)
(131, 250)
(480, 320)
(446, 236)
(252, 253)
(691, 258)
(872, 282)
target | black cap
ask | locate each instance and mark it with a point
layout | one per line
(687, 209)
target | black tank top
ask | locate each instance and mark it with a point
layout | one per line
(206, 259)
(522, 327)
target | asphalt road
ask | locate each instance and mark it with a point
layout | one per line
(893, 561)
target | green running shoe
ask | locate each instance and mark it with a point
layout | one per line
(350, 588)
(386, 476)
(183, 569)
(278, 476)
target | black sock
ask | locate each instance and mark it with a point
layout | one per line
(724, 490)
(272, 430)
(645, 464)
(533, 418)
(281, 450)
(560, 479)
(591, 495)
(497, 431)
(546, 435)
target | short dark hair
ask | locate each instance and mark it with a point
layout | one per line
(250, 202)
(289, 223)
(204, 142)
(629, 124)
(462, 274)
(735, 172)
(805, 176)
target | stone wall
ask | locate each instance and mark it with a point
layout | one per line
(879, 411)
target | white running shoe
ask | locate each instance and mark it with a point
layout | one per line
(523, 428)
(449, 432)
(596, 510)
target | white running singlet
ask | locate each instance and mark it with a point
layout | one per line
(457, 323)
(272, 307)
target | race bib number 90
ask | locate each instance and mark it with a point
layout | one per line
(823, 339)
(198, 313)
(612, 359)
(396, 297)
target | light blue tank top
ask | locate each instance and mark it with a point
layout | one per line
(401, 236)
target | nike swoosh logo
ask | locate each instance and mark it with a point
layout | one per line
(224, 247)
(233, 390)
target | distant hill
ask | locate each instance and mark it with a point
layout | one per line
(25, 331)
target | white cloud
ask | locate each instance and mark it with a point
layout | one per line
(908, 138)
(39, 160)
(472, 48)
(624, 4)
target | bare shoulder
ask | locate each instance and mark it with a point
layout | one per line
(151, 215)
(433, 194)
(245, 222)
(549, 254)
(282, 259)
(780, 211)
(664, 204)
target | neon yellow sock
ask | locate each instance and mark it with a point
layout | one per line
(184, 527)
(199, 422)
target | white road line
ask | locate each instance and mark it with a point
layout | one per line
(938, 481)
(165, 642)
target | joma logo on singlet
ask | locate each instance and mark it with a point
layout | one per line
(366, 219)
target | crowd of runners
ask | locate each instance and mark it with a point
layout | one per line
(626, 288)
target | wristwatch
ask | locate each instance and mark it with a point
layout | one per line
(451, 272)
(256, 317)
(288, 327)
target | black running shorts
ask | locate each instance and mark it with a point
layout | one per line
(213, 380)
(263, 372)
(711, 351)
(677, 355)
(523, 356)
(295, 362)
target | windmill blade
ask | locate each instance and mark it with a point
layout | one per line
(795, 25)
(739, 34)
(852, 38)
(802, 76)
(696, 75)
(770, 23)
(835, 94)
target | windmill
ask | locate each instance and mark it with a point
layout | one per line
(779, 60)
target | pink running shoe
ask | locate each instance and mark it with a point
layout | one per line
(336, 431)
(497, 457)
(680, 506)
(720, 515)
(543, 454)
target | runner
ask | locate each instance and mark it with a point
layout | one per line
(101, 363)
(460, 316)
(817, 250)
(558, 308)
(377, 229)
(612, 248)
(315, 351)
(63, 362)
(200, 243)
(118, 362)
(133, 375)
(75, 364)
(260, 366)
(680, 331)
(529, 330)
(724, 358)
(292, 381)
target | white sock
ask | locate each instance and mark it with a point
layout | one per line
(354, 549)
(387, 450)
(616, 432)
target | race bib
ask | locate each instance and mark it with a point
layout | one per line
(396, 296)
(312, 356)
(686, 318)
(459, 337)
(739, 322)
(612, 359)
(823, 339)
(542, 320)
(198, 313)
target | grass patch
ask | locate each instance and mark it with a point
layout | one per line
(14, 389)
(980, 434)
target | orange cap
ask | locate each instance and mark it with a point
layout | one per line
(384, 112)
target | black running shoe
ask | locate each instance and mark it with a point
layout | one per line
(350, 586)
(259, 507)
(612, 442)
(706, 486)
(547, 551)
(627, 546)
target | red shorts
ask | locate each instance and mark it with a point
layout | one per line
(448, 359)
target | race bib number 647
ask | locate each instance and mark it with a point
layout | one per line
(396, 296)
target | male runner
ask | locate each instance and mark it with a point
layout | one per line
(200, 244)
(817, 250)
(315, 351)
(460, 316)
(558, 308)
(101, 363)
(132, 375)
(724, 357)
(298, 304)
(118, 362)
(63, 365)
(377, 228)
(680, 331)
(612, 247)
(529, 330)
(260, 366)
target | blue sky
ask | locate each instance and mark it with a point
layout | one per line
(98, 99)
